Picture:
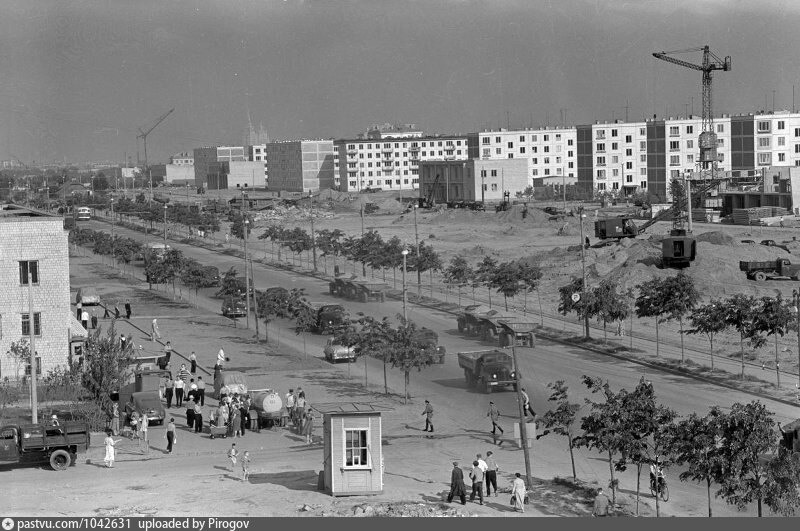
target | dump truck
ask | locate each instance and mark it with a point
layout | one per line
(517, 333)
(430, 341)
(778, 269)
(620, 227)
(358, 290)
(37, 443)
(488, 369)
(479, 320)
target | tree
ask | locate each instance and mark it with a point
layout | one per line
(650, 302)
(782, 483)
(425, 259)
(406, 352)
(774, 318)
(230, 285)
(20, 353)
(506, 280)
(329, 242)
(107, 367)
(708, 319)
(584, 307)
(740, 313)
(172, 264)
(609, 304)
(679, 298)
(366, 248)
(561, 419)
(693, 442)
(458, 272)
(484, 274)
(392, 256)
(272, 304)
(237, 227)
(530, 276)
(197, 276)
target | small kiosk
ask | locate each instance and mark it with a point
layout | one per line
(353, 456)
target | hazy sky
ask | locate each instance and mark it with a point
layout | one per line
(78, 77)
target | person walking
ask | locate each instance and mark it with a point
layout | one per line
(144, 426)
(93, 318)
(300, 409)
(243, 417)
(170, 435)
(308, 427)
(129, 343)
(201, 390)
(601, 504)
(518, 492)
(168, 351)
(85, 319)
(198, 418)
(494, 415)
(192, 391)
(127, 309)
(193, 363)
(79, 310)
(169, 389)
(190, 414)
(115, 419)
(111, 451)
(457, 487)
(154, 331)
(290, 404)
(526, 404)
(491, 473)
(428, 413)
(116, 311)
(235, 422)
(233, 454)
(179, 386)
(183, 374)
(477, 482)
(220, 357)
(245, 465)
(106, 315)
(123, 342)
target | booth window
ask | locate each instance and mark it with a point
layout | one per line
(356, 449)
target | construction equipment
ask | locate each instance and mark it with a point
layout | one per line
(143, 132)
(488, 369)
(780, 269)
(427, 201)
(505, 205)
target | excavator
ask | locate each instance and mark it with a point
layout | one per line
(427, 201)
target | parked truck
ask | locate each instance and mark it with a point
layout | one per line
(479, 320)
(488, 369)
(780, 268)
(358, 290)
(36, 443)
(621, 227)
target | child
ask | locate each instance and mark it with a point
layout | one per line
(232, 453)
(245, 466)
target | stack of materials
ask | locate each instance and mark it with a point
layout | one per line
(755, 216)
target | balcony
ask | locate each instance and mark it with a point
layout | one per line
(387, 149)
(413, 148)
(352, 151)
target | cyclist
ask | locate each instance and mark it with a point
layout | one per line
(657, 471)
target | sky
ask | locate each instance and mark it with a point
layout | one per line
(78, 79)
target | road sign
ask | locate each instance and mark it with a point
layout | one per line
(576, 297)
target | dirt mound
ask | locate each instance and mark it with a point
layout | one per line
(514, 215)
(716, 238)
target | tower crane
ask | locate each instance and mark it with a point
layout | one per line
(143, 132)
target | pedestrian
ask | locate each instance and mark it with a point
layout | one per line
(494, 415)
(457, 487)
(428, 416)
(308, 427)
(170, 435)
(245, 465)
(235, 422)
(491, 473)
(192, 391)
(144, 425)
(221, 358)
(233, 453)
(189, 414)
(123, 342)
(179, 386)
(620, 329)
(79, 312)
(110, 442)
(129, 343)
(290, 404)
(127, 308)
(482, 464)
(115, 419)
(94, 320)
(198, 418)
(168, 351)
(193, 361)
(518, 492)
(116, 311)
(601, 504)
(169, 389)
(155, 333)
(134, 422)
(526, 404)
(201, 390)
(54, 421)
(477, 482)
(106, 315)
(243, 417)
(781, 221)
(85, 319)
(300, 408)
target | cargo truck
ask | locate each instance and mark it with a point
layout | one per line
(488, 369)
(36, 443)
(780, 268)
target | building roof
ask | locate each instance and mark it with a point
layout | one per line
(350, 408)
(9, 212)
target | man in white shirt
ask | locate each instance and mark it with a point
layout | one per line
(481, 463)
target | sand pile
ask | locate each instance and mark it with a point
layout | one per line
(716, 238)
(535, 216)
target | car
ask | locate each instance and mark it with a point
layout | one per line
(146, 403)
(773, 243)
(749, 241)
(234, 307)
(87, 296)
(335, 352)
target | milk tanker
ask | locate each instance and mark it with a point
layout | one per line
(269, 408)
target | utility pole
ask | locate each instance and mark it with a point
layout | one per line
(113, 257)
(165, 227)
(245, 227)
(583, 269)
(523, 427)
(416, 245)
(32, 338)
(313, 238)
(255, 300)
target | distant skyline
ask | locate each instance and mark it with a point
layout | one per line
(80, 77)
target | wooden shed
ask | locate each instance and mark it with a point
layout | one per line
(352, 451)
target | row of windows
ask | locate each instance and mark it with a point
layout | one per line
(25, 320)
(615, 186)
(388, 145)
(414, 171)
(534, 138)
(405, 154)
(381, 182)
(559, 171)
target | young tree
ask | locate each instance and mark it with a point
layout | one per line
(782, 483)
(561, 419)
(740, 313)
(238, 225)
(611, 305)
(679, 298)
(506, 280)
(458, 272)
(392, 256)
(529, 276)
(585, 307)
(708, 319)
(107, 367)
(406, 352)
(329, 242)
(484, 274)
(367, 248)
(650, 302)
(272, 304)
(197, 276)
(774, 318)
(693, 442)
(426, 259)
(230, 285)
(20, 353)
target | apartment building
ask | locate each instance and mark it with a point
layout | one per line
(205, 157)
(473, 179)
(302, 165)
(34, 278)
(182, 159)
(392, 163)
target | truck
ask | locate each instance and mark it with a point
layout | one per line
(326, 317)
(36, 443)
(479, 320)
(429, 340)
(488, 369)
(620, 227)
(777, 269)
(517, 333)
(269, 409)
(144, 395)
(358, 290)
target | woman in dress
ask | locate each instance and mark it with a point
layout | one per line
(110, 450)
(308, 427)
(235, 422)
(518, 493)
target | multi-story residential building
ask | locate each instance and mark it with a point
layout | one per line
(301, 165)
(473, 179)
(236, 174)
(34, 278)
(204, 157)
(182, 159)
(387, 130)
(258, 153)
(392, 163)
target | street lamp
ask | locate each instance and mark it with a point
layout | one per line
(796, 299)
(583, 269)
(165, 227)
(313, 238)
(246, 276)
(405, 316)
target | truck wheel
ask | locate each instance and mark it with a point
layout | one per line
(531, 340)
(760, 276)
(60, 460)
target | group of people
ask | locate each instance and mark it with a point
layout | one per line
(233, 412)
(484, 471)
(300, 413)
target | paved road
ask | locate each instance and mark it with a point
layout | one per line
(546, 363)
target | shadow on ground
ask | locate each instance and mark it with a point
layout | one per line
(298, 480)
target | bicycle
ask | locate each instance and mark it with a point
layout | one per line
(663, 490)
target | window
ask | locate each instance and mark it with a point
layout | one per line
(546, 138)
(689, 144)
(720, 128)
(522, 150)
(643, 145)
(494, 187)
(674, 160)
(614, 159)
(601, 186)
(674, 145)
(628, 139)
(689, 129)
(781, 140)
(483, 173)
(642, 171)
(614, 132)
(601, 174)
(511, 145)
(547, 160)
(629, 152)
(558, 137)
(643, 185)
(38, 367)
(614, 146)
(765, 158)
(547, 149)
(629, 178)
(569, 142)
(547, 171)
(781, 157)
(615, 172)
(674, 130)
(535, 160)
(781, 125)
(536, 172)
(498, 151)
(534, 149)
(37, 324)
(763, 127)
(642, 158)
(487, 152)
(486, 140)
(601, 135)
(614, 186)
(797, 131)
(31, 266)
(511, 155)
(763, 142)
(797, 148)
(690, 158)
(629, 165)
(600, 147)
(497, 140)
(494, 173)
(675, 174)
(601, 161)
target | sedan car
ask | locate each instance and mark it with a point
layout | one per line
(335, 352)
(146, 403)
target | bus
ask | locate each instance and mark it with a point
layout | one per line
(84, 214)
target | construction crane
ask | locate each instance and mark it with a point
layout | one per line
(679, 249)
(427, 201)
(143, 132)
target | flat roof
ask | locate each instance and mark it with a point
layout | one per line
(350, 408)
(10, 212)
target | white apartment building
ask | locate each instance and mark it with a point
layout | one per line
(392, 163)
(182, 159)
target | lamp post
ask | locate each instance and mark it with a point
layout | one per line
(796, 299)
(583, 270)
(416, 246)
(246, 275)
(405, 316)
(313, 238)
(113, 258)
(165, 227)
